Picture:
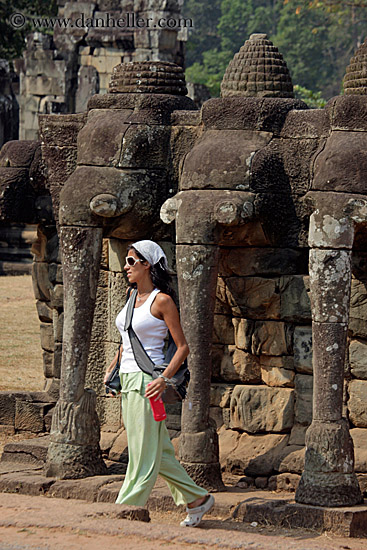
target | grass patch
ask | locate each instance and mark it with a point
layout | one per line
(21, 365)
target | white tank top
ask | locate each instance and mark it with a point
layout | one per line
(150, 331)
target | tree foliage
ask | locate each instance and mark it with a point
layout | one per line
(12, 41)
(317, 38)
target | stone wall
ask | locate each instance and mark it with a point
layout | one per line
(59, 73)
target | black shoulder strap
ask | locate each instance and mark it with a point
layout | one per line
(142, 359)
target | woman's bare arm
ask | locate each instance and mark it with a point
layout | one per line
(164, 308)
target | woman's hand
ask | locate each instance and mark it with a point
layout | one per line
(155, 389)
(108, 372)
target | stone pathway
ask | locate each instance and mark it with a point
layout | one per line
(41, 523)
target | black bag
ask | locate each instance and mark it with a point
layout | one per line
(175, 392)
(113, 384)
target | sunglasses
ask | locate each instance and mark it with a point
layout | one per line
(130, 260)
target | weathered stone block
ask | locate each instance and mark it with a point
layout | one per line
(29, 416)
(52, 387)
(100, 327)
(303, 404)
(275, 376)
(57, 296)
(223, 332)
(217, 357)
(283, 163)
(61, 162)
(311, 124)
(357, 403)
(243, 330)
(47, 337)
(41, 282)
(100, 140)
(61, 131)
(358, 359)
(145, 147)
(45, 313)
(57, 360)
(294, 298)
(291, 459)
(226, 413)
(272, 338)
(228, 441)
(117, 252)
(253, 297)
(183, 137)
(262, 409)
(298, 434)
(256, 455)
(220, 395)
(221, 158)
(358, 309)
(117, 286)
(279, 361)
(44, 85)
(7, 408)
(109, 413)
(216, 415)
(58, 325)
(119, 451)
(284, 483)
(263, 261)
(107, 440)
(237, 365)
(334, 171)
(362, 481)
(359, 436)
(48, 363)
(302, 346)
(97, 364)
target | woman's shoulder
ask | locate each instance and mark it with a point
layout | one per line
(164, 300)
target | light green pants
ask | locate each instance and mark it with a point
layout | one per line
(150, 450)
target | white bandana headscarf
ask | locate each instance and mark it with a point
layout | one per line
(151, 252)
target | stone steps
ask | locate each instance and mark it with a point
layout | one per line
(15, 249)
(27, 452)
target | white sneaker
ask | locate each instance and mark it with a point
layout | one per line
(195, 515)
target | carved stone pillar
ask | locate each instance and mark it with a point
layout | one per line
(74, 443)
(328, 478)
(197, 270)
(201, 217)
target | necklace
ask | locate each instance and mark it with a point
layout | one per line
(139, 298)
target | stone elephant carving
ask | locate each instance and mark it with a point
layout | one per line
(122, 177)
(267, 172)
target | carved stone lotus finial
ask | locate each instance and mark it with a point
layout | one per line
(148, 77)
(355, 79)
(257, 70)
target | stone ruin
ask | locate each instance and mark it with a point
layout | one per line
(60, 72)
(265, 211)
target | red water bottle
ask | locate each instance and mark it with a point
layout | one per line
(159, 412)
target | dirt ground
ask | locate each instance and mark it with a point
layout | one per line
(20, 348)
(30, 523)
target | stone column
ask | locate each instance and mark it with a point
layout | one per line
(328, 478)
(201, 216)
(197, 271)
(74, 443)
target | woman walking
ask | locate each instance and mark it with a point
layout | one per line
(151, 452)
